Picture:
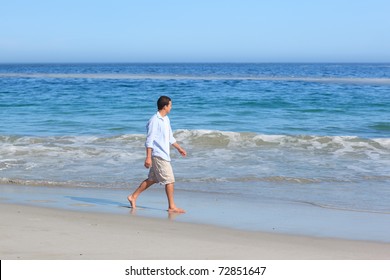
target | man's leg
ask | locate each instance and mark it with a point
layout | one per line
(169, 189)
(143, 186)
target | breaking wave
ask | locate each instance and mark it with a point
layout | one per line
(14, 149)
(222, 139)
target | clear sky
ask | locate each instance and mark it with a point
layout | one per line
(194, 31)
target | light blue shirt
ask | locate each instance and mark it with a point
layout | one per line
(159, 136)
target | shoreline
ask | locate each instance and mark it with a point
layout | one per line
(229, 211)
(30, 232)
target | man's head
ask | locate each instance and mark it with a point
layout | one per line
(162, 102)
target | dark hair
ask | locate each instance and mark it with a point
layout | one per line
(162, 102)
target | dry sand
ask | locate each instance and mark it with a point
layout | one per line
(42, 233)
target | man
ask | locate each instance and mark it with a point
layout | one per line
(158, 141)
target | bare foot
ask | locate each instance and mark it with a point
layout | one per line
(176, 210)
(131, 199)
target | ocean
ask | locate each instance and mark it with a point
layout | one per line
(317, 134)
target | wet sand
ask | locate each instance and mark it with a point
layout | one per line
(29, 232)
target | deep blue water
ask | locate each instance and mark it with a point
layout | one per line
(112, 99)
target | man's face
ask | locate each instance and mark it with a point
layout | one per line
(168, 107)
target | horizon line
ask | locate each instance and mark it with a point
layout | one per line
(184, 62)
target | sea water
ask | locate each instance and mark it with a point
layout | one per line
(317, 134)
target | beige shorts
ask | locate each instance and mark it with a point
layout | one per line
(161, 171)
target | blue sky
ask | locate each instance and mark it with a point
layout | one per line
(194, 31)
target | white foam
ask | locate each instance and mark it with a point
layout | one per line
(216, 155)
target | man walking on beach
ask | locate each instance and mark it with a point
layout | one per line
(158, 141)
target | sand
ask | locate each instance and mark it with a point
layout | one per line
(28, 232)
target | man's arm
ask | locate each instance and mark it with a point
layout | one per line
(150, 137)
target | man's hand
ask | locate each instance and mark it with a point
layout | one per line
(148, 162)
(182, 151)
(179, 149)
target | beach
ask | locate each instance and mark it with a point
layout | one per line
(42, 233)
(284, 161)
(73, 224)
